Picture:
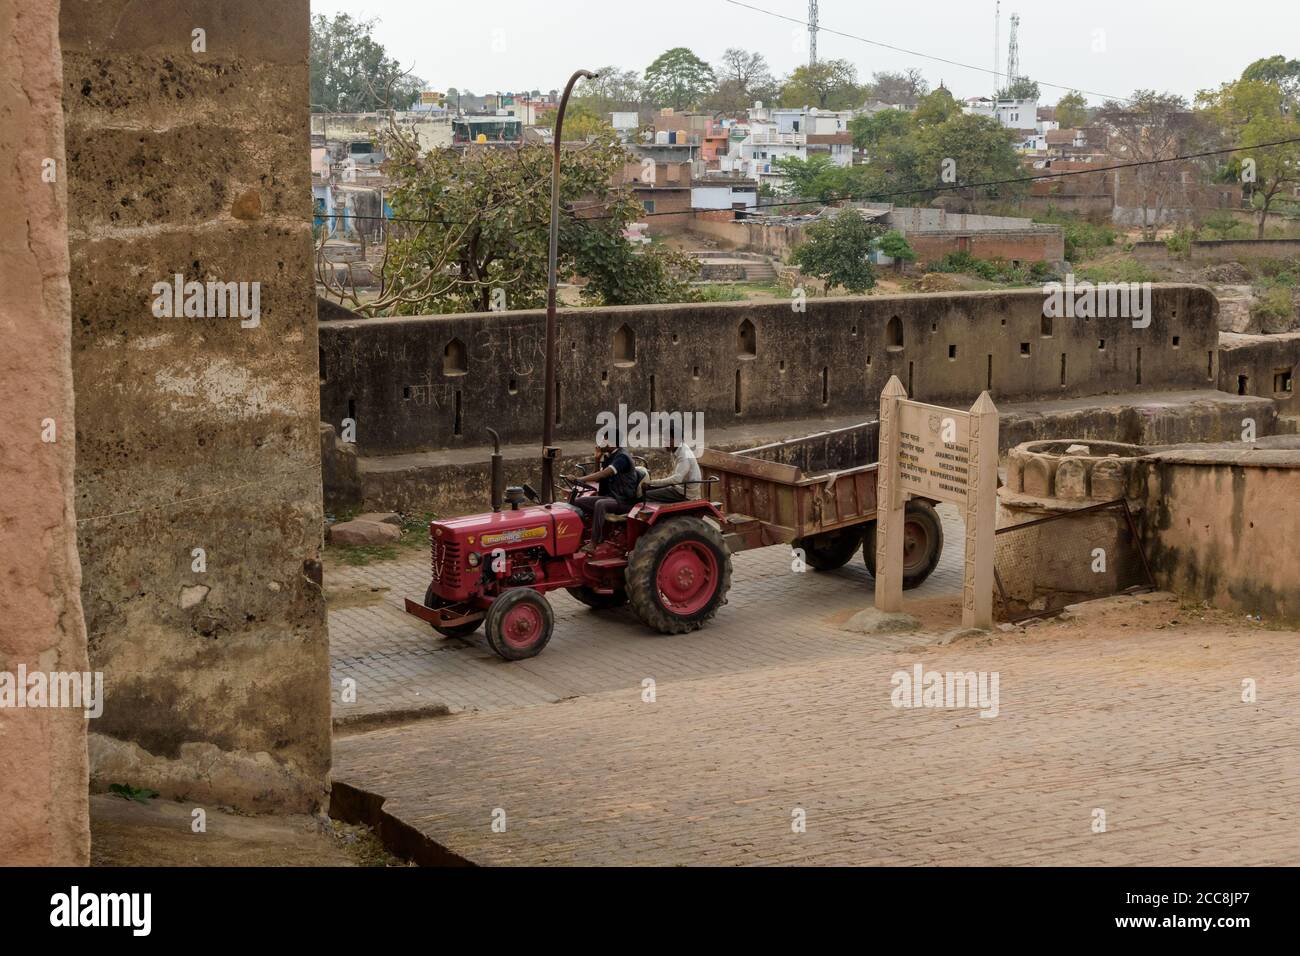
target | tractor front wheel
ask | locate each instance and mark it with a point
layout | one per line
(460, 630)
(678, 575)
(518, 624)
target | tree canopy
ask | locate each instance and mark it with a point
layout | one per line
(1152, 126)
(905, 153)
(351, 72)
(743, 78)
(836, 251)
(826, 84)
(1020, 88)
(581, 122)
(468, 223)
(1254, 110)
(1072, 110)
(678, 78)
(897, 89)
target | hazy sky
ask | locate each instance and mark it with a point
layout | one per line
(1109, 47)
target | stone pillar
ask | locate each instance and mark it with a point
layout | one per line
(890, 504)
(198, 445)
(981, 515)
(43, 795)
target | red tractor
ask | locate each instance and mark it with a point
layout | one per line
(667, 561)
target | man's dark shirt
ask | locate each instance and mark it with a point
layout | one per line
(622, 484)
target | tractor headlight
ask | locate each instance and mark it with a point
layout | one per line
(473, 560)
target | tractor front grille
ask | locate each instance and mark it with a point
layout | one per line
(446, 563)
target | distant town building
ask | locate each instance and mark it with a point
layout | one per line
(498, 127)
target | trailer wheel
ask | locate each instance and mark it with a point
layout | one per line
(678, 575)
(830, 550)
(519, 623)
(922, 543)
(597, 601)
(460, 630)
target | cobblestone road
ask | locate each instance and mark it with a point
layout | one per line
(1137, 713)
(774, 617)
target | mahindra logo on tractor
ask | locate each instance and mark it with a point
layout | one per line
(514, 536)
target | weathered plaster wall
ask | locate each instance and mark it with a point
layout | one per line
(43, 796)
(1264, 365)
(1220, 525)
(402, 382)
(197, 433)
(769, 239)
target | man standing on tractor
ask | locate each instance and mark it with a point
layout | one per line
(684, 482)
(616, 486)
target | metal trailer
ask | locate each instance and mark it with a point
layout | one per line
(818, 493)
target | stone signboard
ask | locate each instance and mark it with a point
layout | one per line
(940, 454)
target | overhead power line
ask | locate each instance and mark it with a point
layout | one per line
(926, 56)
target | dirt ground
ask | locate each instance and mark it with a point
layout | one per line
(160, 833)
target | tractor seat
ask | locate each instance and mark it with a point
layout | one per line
(643, 475)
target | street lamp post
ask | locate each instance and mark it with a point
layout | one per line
(549, 450)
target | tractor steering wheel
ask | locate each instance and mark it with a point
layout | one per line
(575, 487)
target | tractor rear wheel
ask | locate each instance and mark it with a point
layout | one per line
(678, 575)
(518, 624)
(460, 630)
(830, 550)
(922, 543)
(597, 601)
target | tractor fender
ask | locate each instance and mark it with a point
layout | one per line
(698, 508)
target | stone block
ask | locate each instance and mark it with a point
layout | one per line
(1072, 478)
(1109, 479)
(359, 533)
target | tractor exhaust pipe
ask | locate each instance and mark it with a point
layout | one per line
(498, 478)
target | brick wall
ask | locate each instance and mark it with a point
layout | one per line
(1025, 246)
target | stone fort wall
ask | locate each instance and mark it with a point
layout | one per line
(436, 382)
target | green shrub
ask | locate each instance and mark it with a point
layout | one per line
(954, 262)
(1041, 271)
(994, 270)
(716, 292)
(1274, 268)
(1180, 243)
(1226, 226)
(1274, 304)
(1083, 239)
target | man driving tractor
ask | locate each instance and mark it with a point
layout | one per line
(616, 483)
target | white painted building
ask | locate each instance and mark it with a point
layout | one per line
(721, 195)
(1012, 114)
(761, 150)
(625, 123)
(811, 120)
(784, 133)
